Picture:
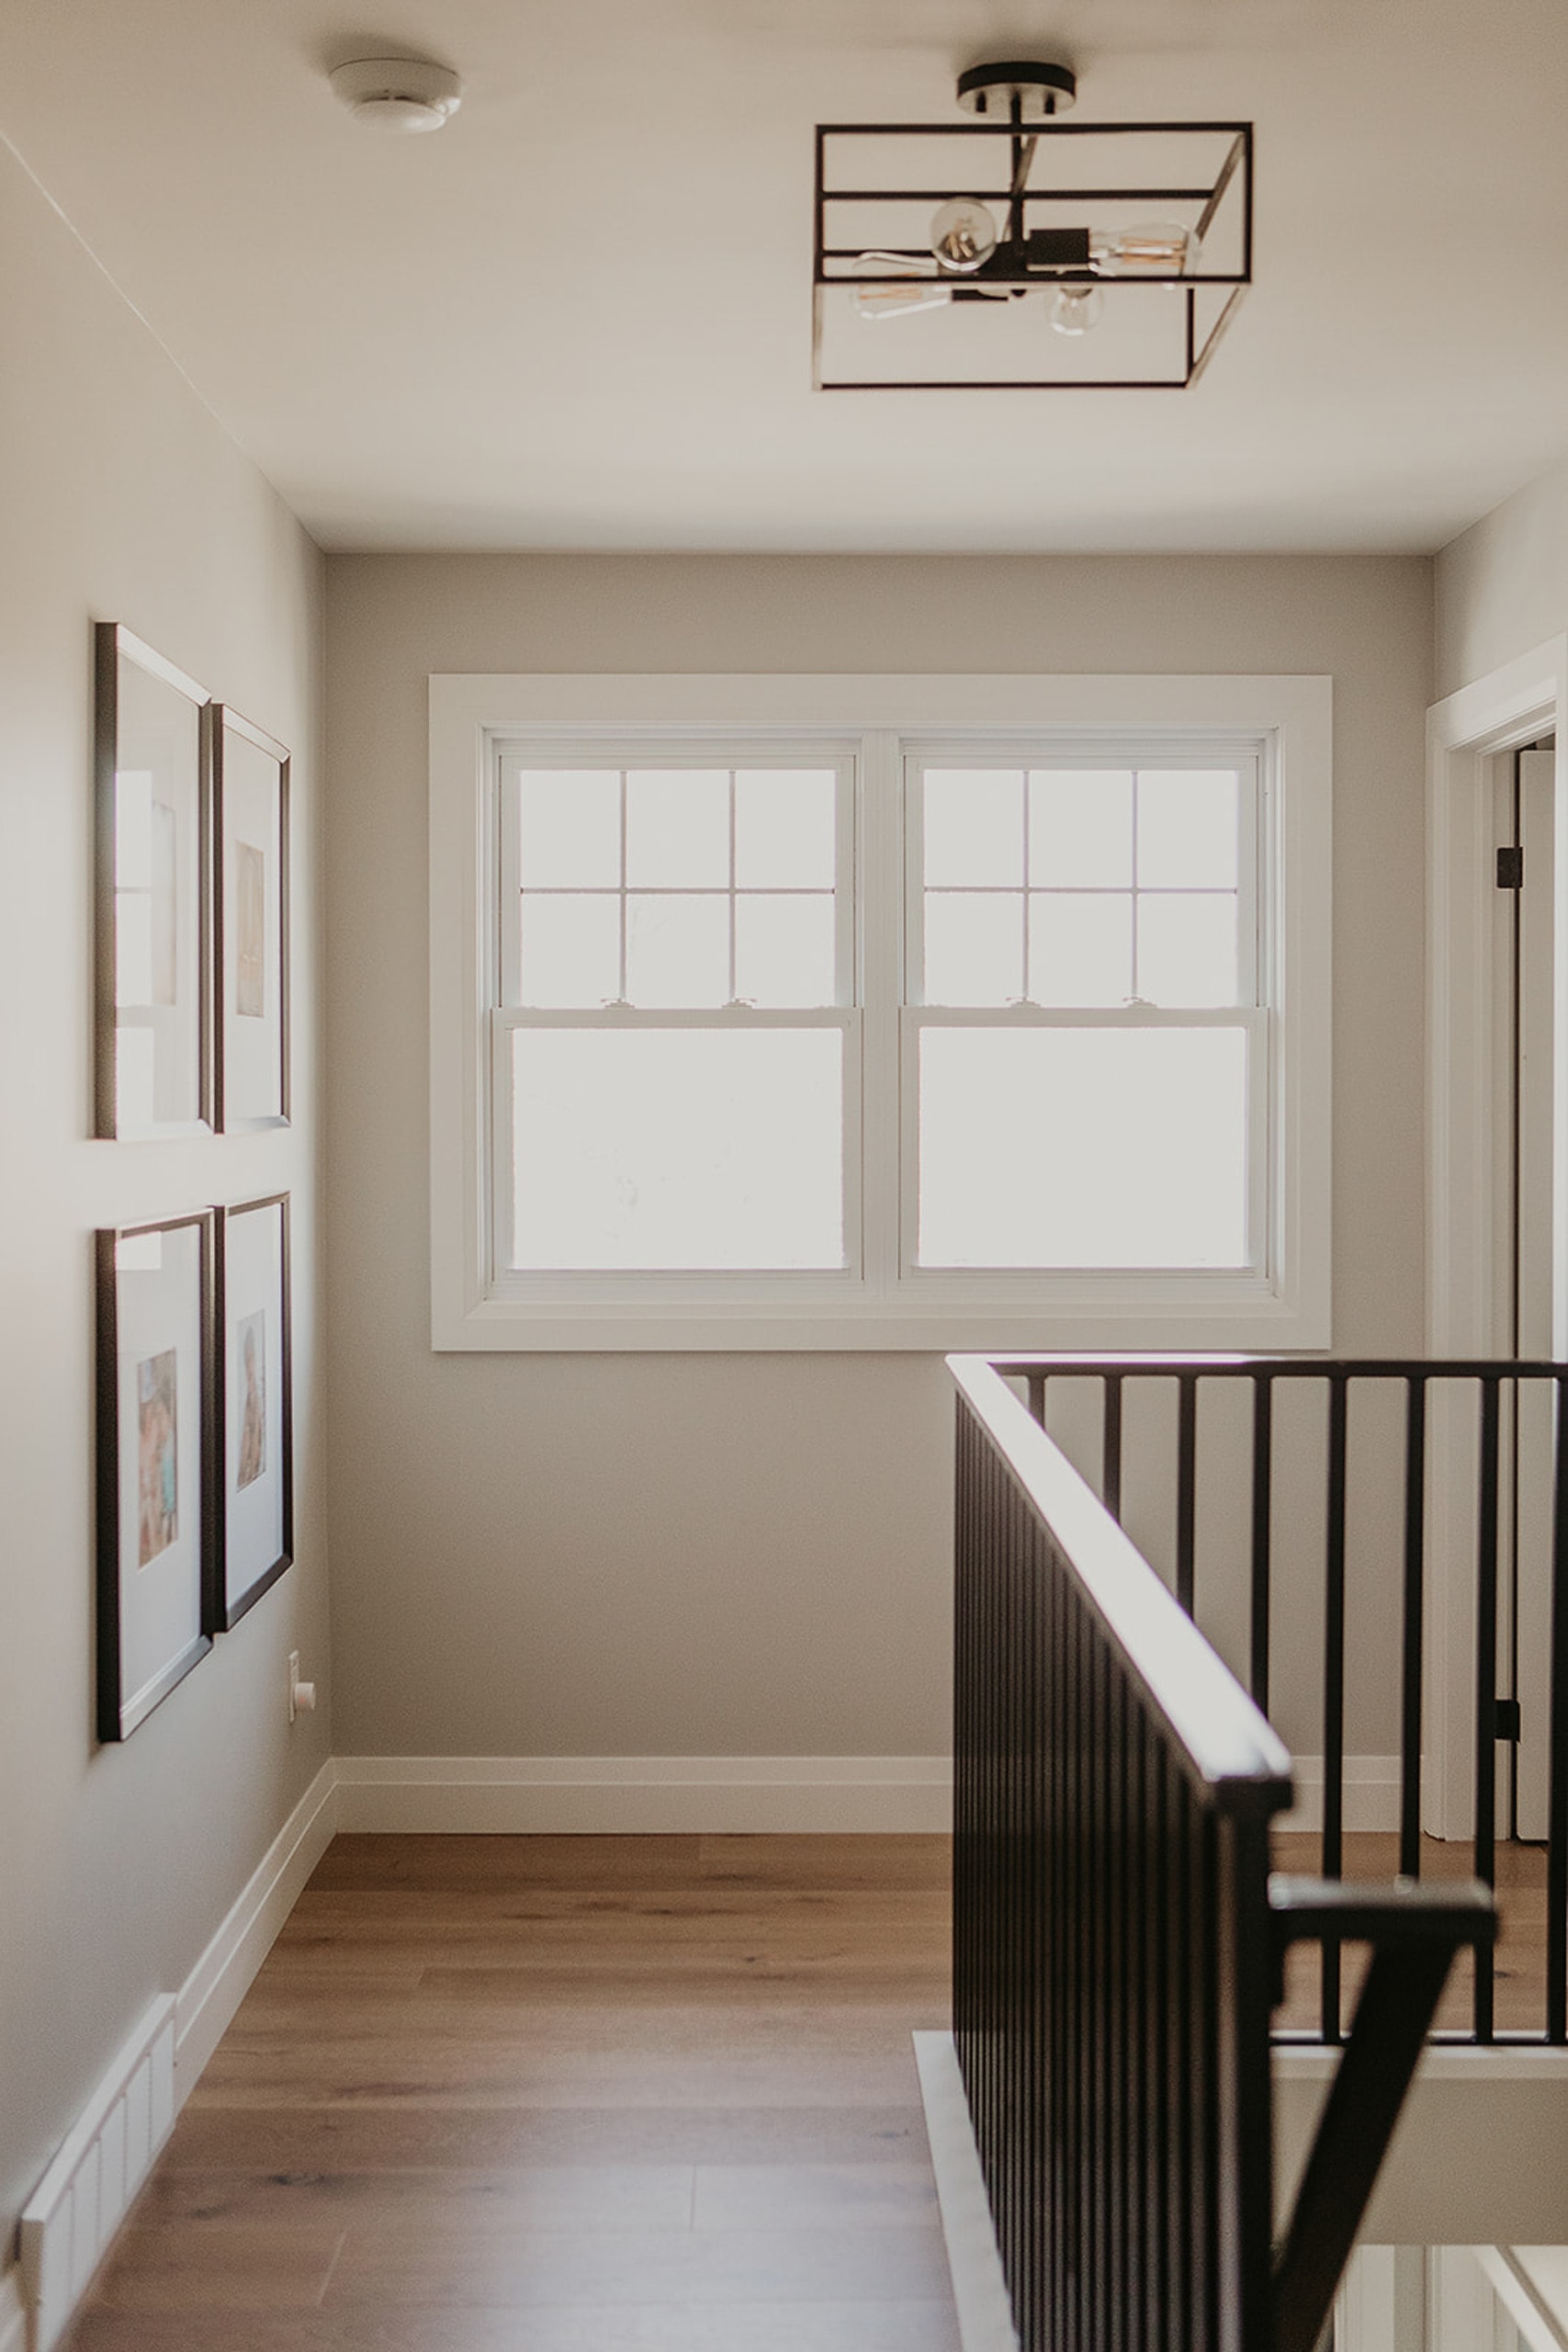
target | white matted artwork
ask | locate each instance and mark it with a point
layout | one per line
(257, 1530)
(251, 791)
(155, 1461)
(153, 818)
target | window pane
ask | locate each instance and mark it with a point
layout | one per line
(694, 1149)
(569, 829)
(678, 828)
(784, 829)
(1186, 829)
(973, 947)
(973, 825)
(572, 949)
(678, 950)
(784, 949)
(1080, 948)
(1186, 948)
(1080, 828)
(1083, 1147)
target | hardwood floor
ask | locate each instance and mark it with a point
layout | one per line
(595, 2095)
(563, 2094)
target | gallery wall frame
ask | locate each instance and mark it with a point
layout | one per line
(250, 773)
(153, 1061)
(252, 1322)
(157, 1462)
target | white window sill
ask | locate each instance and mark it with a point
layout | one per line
(1228, 1316)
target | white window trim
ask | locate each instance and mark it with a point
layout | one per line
(1288, 1306)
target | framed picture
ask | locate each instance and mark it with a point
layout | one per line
(154, 1056)
(250, 794)
(157, 1448)
(256, 1531)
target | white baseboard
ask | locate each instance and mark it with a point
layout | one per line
(72, 2217)
(629, 1795)
(13, 2311)
(88, 2189)
(1372, 1793)
(222, 1976)
(979, 2290)
(646, 1794)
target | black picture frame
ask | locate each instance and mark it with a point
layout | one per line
(153, 828)
(156, 1464)
(250, 785)
(253, 1318)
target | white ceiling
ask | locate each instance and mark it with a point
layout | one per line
(580, 316)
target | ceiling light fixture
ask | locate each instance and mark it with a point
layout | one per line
(1133, 240)
(398, 92)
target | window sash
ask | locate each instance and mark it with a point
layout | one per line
(507, 1280)
(512, 760)
(1115, 754)
(1254, 1024)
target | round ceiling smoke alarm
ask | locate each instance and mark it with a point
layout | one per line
(398, 92)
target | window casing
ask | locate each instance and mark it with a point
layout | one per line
(1247, 1267)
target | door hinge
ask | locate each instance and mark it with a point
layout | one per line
(1510, 869)
(1505, 1719)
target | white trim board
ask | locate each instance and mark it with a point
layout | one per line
(979, 2288)
(222, 1977)
(13, 2311)
(758, 1796)
(89, 2186)
(1372, 1793)
(1510, 707)
(633, 1795)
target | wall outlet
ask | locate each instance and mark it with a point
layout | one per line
(302, 1695)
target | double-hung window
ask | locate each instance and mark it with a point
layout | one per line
(676, 1077)
(846, 1012)
(1088, 1058)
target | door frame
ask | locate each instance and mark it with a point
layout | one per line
(1510, 708)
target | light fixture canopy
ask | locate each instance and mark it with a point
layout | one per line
(1133, 240)
(401, 93)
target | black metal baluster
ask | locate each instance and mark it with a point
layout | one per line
(1413, 1634)
(1111, 1445)
(1557, 1735)
(1077, 2028)
(1160, 2008)
(1262, 1524)
(1061, 1934)
(1185, 1486)
(1334, 1687)
(1486, 1684)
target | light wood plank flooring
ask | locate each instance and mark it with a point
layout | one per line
(563, 2094)
(596, 2094)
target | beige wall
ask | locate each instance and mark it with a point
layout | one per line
(707, 1555)
(1502, 587)
(122, 500)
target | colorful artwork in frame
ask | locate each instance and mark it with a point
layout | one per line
(157, 1458)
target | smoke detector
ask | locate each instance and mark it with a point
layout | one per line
(398, 92)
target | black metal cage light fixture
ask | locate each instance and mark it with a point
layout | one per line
(1059, 255)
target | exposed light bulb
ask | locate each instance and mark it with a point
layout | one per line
(964, 234)
(1076, 308)
(1156, 249)
(897, 301)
